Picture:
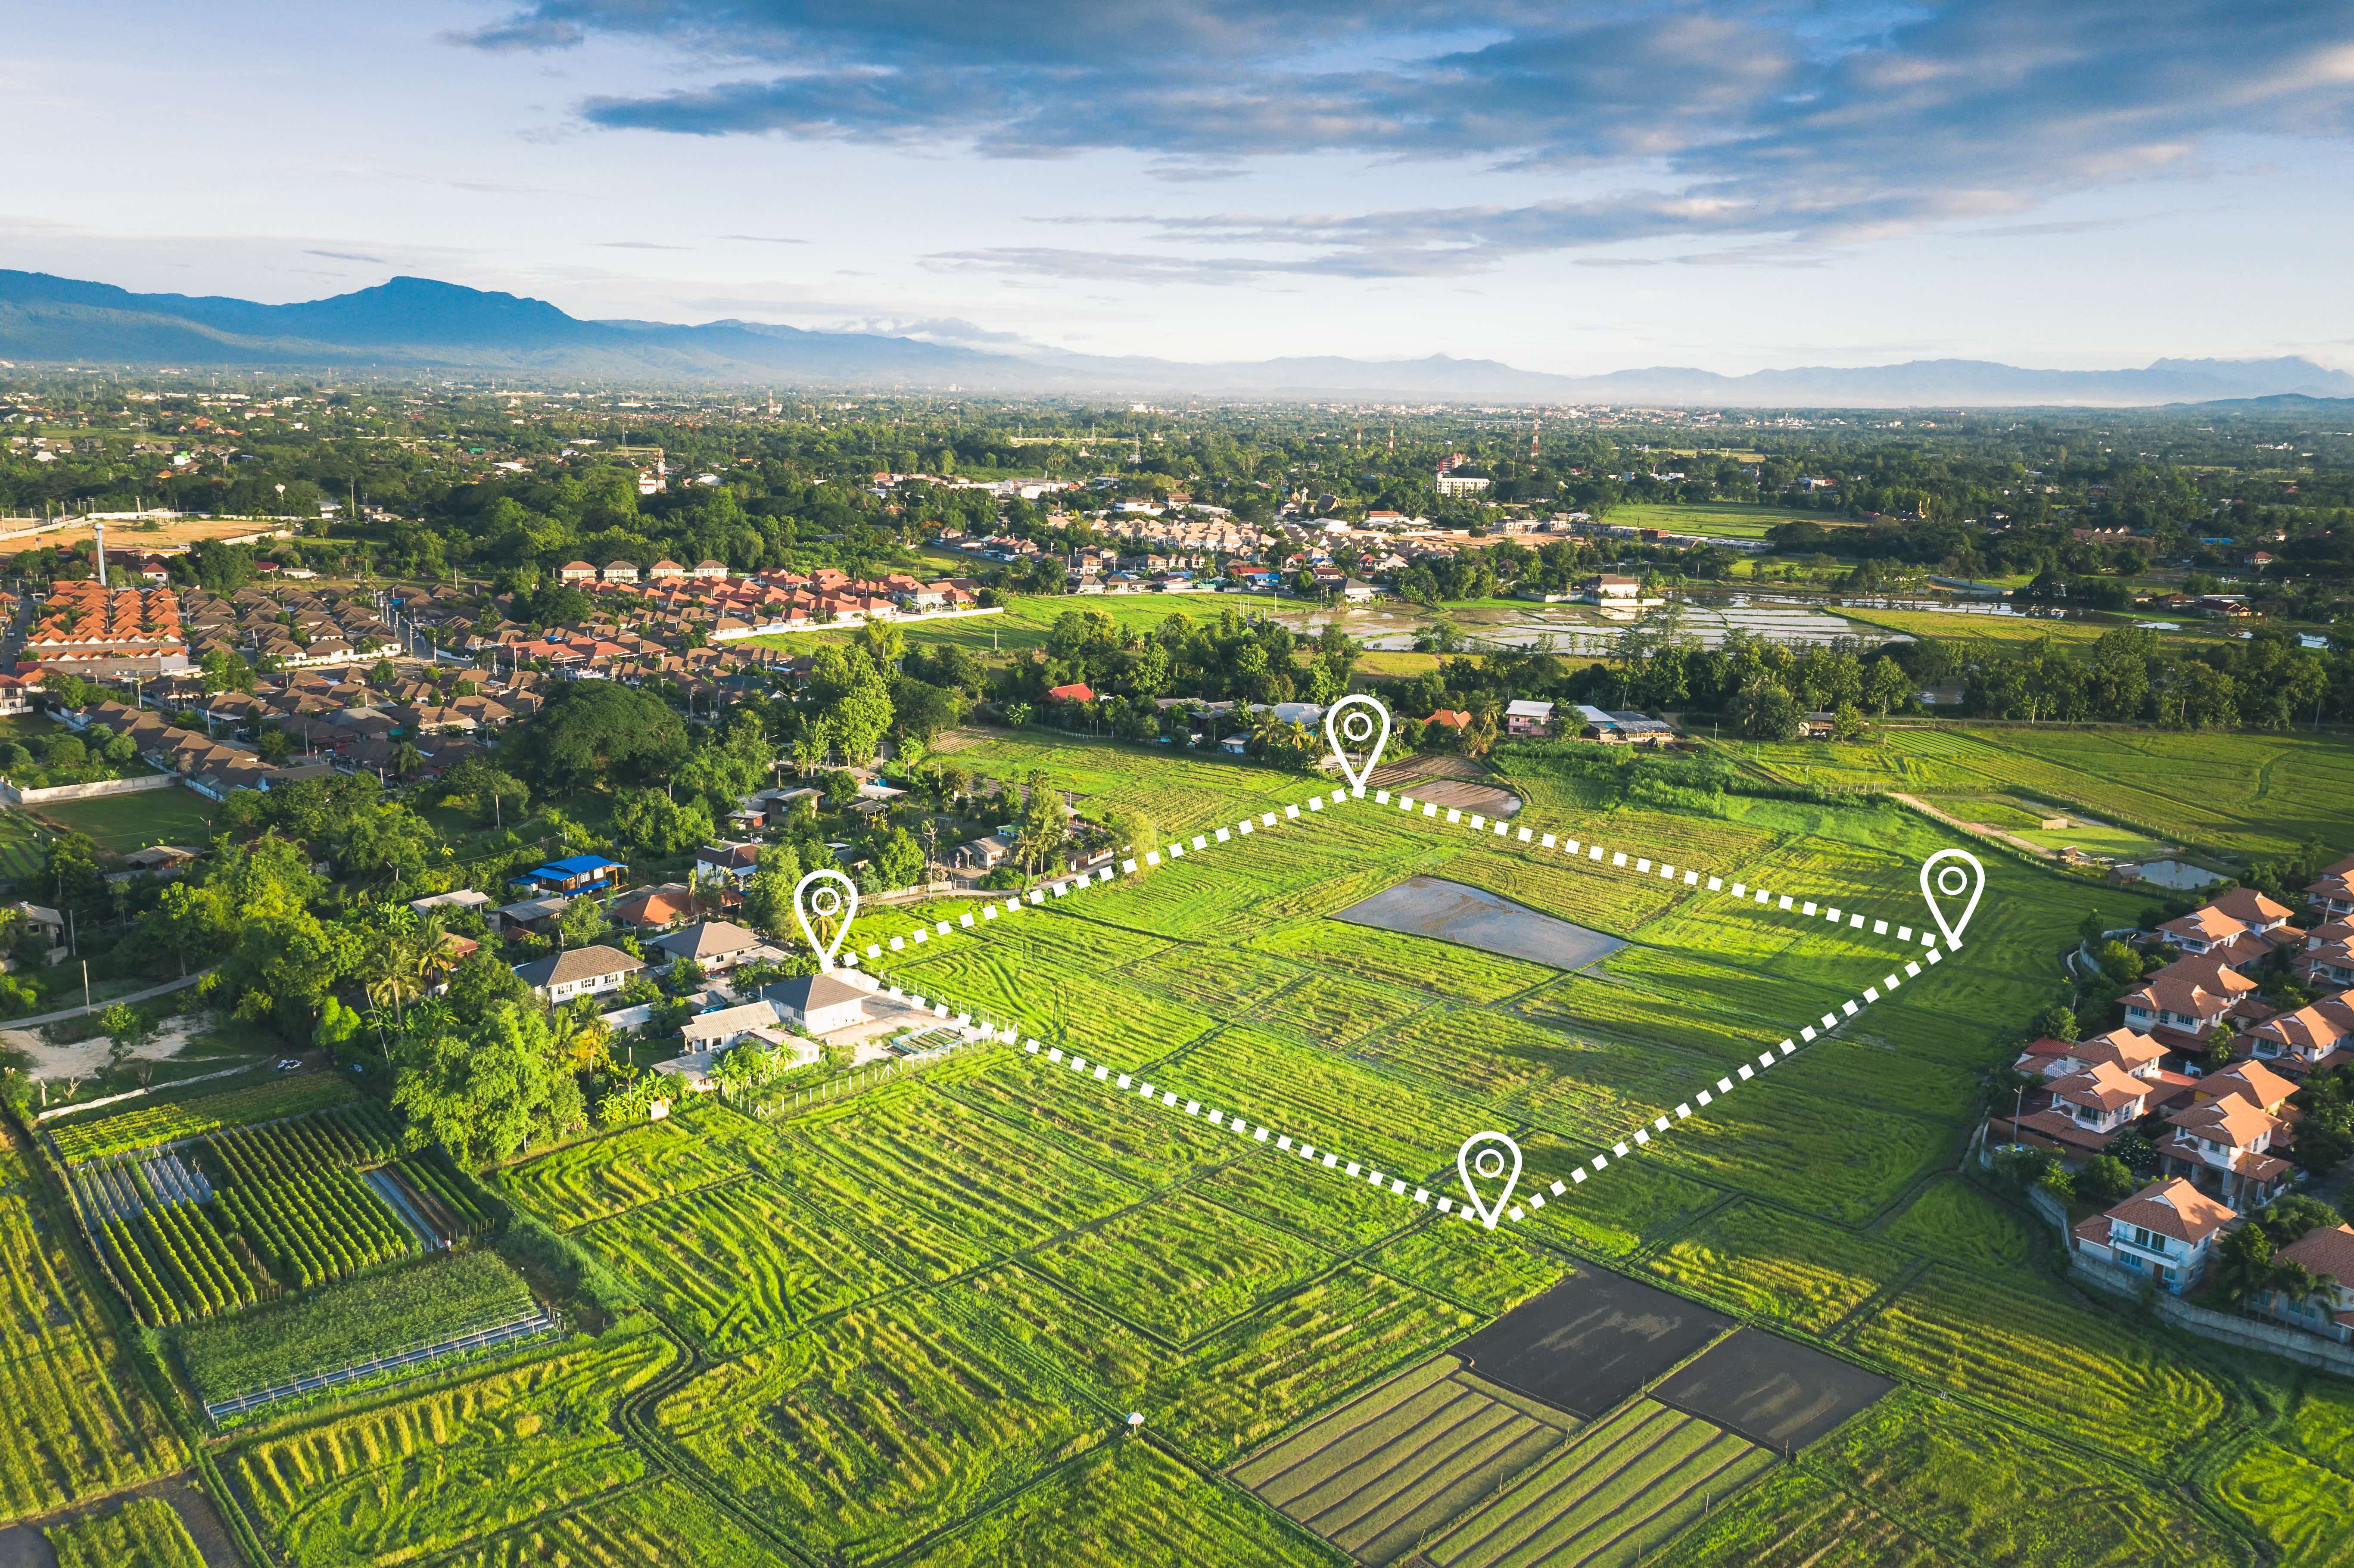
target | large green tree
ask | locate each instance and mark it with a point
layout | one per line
(488, 1087)
(602, 732)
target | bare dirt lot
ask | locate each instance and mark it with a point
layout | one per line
(1590, 1341)
(1771, 1391)
(169, 535)
(1452, 912)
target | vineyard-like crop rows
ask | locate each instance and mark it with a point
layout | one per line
(345, 1137)
(95, 1136)
(179, 1267)
(325, 1226)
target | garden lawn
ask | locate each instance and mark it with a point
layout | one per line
(119, 823)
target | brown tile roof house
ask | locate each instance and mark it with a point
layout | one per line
(579, 971)
(2250, 1081)
(2251, 908)
(2188, 998)
(710, 942)
(2327, 1253)
(2168, 1230)
(2229, 1146)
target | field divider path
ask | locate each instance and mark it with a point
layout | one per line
(1254, 1131)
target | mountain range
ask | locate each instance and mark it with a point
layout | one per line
(412, 324)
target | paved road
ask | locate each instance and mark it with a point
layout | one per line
(40, 1020)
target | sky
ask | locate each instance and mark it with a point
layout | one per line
(1566, 187)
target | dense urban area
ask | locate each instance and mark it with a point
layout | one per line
(443, 1129)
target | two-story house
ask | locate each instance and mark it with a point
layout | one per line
(2300, 1041)
(731, 862)
(2183, 1003)
(2328, 959)
(2327, 1253)
(2333, 892)
(2228, 1148)
(2168, 1230)
(2136, 1055)
(2088, 1108)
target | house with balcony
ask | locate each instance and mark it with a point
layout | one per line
(2084, 1111)
(2327, 958)
(2301, 1041)
(2185, 1002)
(575, 572)
(2168, 1231)
(731, 862)
(2333, 893)
(572, 875)
(2136, 1055)
(2327, 1254)
(2229, 1148)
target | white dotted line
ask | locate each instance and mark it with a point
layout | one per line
(1664, 871)
(1256, 1132)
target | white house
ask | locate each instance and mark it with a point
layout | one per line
(727, 861)
(2167, 1230)
(579, 971)
(819, 1003)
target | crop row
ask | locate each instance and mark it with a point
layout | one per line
(344, 1135)
(318, 1227)
(178, 1267)
(147, 1126)
(428, 1180)
(143, 1534)
(125, 1187)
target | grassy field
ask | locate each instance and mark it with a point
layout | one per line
(23, 846)
(1724, 520)
(119, 823)
(1029, 621)
(143, 1534)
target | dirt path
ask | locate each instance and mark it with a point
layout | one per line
(1983, 828)
(84, 1060)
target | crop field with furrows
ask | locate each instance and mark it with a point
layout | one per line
(1178, 1265)
(1077, 1338)
(1177, 791)
(737, 1265)
(1595, 1092)
(662, 1521)
(144, 1126)
(1980, 1485)
(1795, 1520)
(1337, 1012)
(1615, 1212)
(1739, 937)
(1682, 1002)
(1869, 1072)
(1127, 1505)
(1953, 1221)
(1394, 958)
(2064, 1366)
(77, 1426)
(143, 1534)
(1619, 1490)
(1332, 1210)
(1046, 1103)
(2304, 1511)
(1291, 1359)
(586, 1181)
(1091, 1012)
(1058, 935)
(2322, 1427)
(1232, 982)
(1551, 883)
(1384, 1473)
(405, 1479)
(1782, 1142)
(857, 1442)
(1328, 1101)
(312, 1229)
(1487, 1271)
(43, 1306)
(1776, 1264)
(948, 1188)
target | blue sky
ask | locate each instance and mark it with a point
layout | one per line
(1563, 187)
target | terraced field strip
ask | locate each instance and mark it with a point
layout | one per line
(1382, 1474)
(1641, 865)
(1625, 1486)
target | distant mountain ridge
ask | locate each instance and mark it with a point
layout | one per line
(415, 323)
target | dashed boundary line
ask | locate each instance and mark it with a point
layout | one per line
(1589, 851)
(1255, 1132)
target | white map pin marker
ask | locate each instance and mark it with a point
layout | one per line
(1943, 878)
(828, 895)
(1491, 1157)
(1357, 723)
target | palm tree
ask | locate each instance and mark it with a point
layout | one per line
(407, 760)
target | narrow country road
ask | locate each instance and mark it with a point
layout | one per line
(42, 1019)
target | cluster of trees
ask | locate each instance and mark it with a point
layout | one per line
(2269, 680)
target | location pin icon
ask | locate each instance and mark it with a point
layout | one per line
(1492, 1160)
(1944, 878)
(826, 895)
(1357, 723)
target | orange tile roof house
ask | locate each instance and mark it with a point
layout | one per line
(2229, 1148)
(2325, 1251)
(2090, 1107)
(2183, 1002)
(1076, 692)
(655, 907)
(2168, 1230)
(576, 572)
(2333, 894)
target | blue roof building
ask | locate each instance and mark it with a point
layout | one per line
(574, 874)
